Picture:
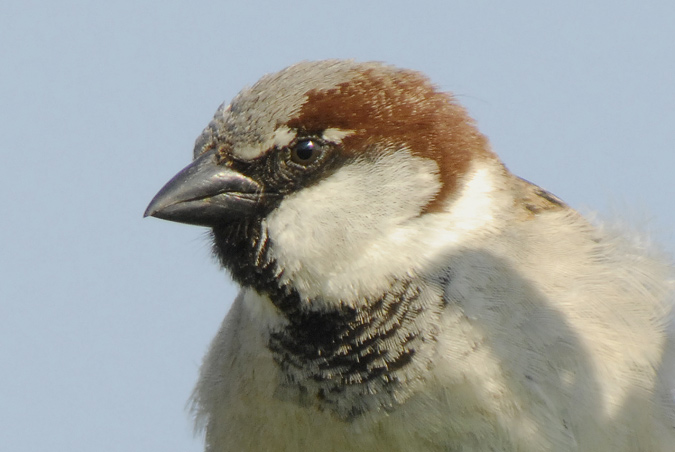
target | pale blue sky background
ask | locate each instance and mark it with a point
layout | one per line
(104, 316)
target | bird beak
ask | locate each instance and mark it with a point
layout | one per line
(205, 194)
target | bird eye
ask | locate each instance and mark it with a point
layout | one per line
(305, 151)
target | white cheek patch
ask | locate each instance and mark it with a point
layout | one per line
(322, 235)
(348, 236)
(283, 136)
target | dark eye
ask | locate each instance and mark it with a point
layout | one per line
(305, 151)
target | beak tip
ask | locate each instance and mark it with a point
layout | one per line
(152, 208)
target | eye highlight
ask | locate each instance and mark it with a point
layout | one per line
(305, 151)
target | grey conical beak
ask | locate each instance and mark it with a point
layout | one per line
(205, 194)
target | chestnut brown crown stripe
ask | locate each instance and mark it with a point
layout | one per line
(406, 110)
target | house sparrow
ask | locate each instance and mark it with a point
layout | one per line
(401, 290)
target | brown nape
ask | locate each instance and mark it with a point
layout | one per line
(399, 107)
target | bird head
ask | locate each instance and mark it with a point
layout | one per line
(334, 177)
